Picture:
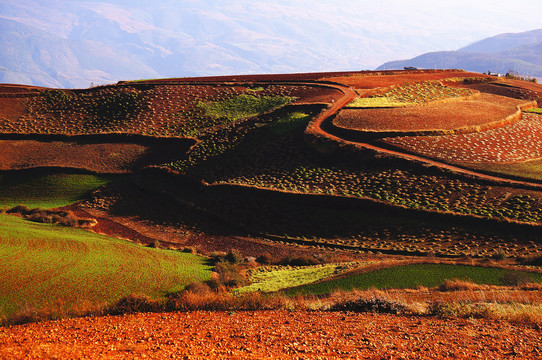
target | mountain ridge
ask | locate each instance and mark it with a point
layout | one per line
(520, 53)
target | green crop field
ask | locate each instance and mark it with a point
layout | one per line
(377, 102)
(242, 106)
(45, 189)
(412, 276)
(50, 264)
(267, 279)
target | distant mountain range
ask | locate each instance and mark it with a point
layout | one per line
(519, 52)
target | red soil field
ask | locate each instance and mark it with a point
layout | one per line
(10, 109)
(512, 88)
(524, 84)
(521, 141)
(432, 116)
(385, 79)
(102, 158)
(166, 107)
(270, 335)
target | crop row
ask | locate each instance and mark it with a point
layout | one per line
(428, 193)
(425, 92)
(411, 94)
(520, 141)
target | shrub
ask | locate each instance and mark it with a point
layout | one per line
(459, 285)
(265, 259)
(19, 209)
(56, 99)
(199, 296)
(515, 278)
(499, 255)
(115, 106)
(155, 244)
(458, 309)
(375, 304)
(65, 218)
(189, 250)
(234, 256)
(228, 275)
(536, 261)
(134, 303)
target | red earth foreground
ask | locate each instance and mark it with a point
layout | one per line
(270, 335)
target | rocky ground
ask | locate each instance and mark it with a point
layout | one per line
(270, 335)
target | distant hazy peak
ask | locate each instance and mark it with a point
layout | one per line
(503, 42)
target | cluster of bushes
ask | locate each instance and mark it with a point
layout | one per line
(373, 304)
(61, 217)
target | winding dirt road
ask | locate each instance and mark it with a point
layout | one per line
(326, 117)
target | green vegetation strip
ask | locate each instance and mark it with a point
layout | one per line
(47, 190)
(274, 278)
(243, 106)
(44, 265)
(412, 276)
(535, 111)
(377, 102)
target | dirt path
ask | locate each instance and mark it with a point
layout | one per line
(269, 335)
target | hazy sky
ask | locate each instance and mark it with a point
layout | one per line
(211, 37)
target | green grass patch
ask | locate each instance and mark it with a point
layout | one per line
(377, 102)
(274, 278)
(243, 106)
(535, 111)
(412, 276)
(47, 264)
(47, 190)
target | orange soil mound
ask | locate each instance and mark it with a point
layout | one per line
(270, 335)
(384, 79)
(433, 116)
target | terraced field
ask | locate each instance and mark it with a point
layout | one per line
(261, 173)
(518, 142)
(149, 110)
(443, 116)
(251, 132)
